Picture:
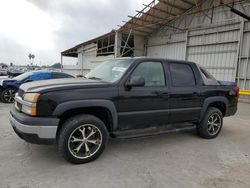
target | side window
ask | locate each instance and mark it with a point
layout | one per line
(182, 74)
(40, 76)
(152, 72)
(60, 75)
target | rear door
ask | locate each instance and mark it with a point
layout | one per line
(144, 106)
(185, 99)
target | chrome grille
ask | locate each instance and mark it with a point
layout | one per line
(18, 106)
(20, 93)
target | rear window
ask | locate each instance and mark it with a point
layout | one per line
(208, 79)
(205, 74)
(182, 74)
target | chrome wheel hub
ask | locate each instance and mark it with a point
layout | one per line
(214, 124)
(9, 95)
(84, 141)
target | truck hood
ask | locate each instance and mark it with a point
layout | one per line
(59, 84)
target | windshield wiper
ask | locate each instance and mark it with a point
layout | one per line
(94, 78)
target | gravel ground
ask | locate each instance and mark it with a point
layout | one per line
(173, 160)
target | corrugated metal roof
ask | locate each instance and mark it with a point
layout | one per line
(72, 52)
(159, 13)
(153, 16)
(156, 14)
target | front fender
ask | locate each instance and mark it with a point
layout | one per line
(70, 105)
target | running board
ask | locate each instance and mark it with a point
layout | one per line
(146, 133)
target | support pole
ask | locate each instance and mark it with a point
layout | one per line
(239, 52)
(82, 64)
(247, 65)
(186, 46)
(61, 63)
(126, 42)
(235, 11)
(117, 44)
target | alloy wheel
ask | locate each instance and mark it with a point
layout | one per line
(9, 95)
(84, 141)
(214, 124)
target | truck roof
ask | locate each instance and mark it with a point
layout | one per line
(154, 58)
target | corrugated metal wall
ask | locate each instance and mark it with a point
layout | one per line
(215, 49)
(243, 77)
(169, 46)
(243, 73)
(87, 60)
(222, 47)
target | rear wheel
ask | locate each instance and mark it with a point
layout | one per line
(82, 139)
(8, 95)
(211, 124)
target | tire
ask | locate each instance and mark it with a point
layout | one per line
(8, 95)
(211, 124)
(76, 133)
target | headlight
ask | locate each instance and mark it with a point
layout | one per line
(31, 110)
(29, 103)
(31, 97)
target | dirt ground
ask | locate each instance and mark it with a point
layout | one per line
(173, 160)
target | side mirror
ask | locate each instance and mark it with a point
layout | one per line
(135, 81)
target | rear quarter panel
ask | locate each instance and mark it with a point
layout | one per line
(220, 91)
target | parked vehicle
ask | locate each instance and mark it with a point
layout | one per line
(13, 72)
(9, 87)
(3, 69)
(3, 72)
(122, 98)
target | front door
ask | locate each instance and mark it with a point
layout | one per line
(144, 106)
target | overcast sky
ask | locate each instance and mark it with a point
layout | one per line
(47, 27)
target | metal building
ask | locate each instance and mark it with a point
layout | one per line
(213, 33)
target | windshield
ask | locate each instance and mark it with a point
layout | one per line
(110, 71)
(23, 76)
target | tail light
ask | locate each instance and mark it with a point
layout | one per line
(237, 92)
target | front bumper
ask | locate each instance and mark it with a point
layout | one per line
(37, 130)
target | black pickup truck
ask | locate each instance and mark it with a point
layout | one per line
(122, 98)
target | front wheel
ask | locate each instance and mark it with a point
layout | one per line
(8, 95)
(211, 124)
(82, 139)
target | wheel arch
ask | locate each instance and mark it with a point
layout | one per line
(218, 102)
(103, 109)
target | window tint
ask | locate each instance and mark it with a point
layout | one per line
(182, 75)
(152, 72)
(40, 76)
(206, 74)
(61, 75)
(208, 79)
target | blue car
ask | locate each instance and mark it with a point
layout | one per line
(9, 87)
